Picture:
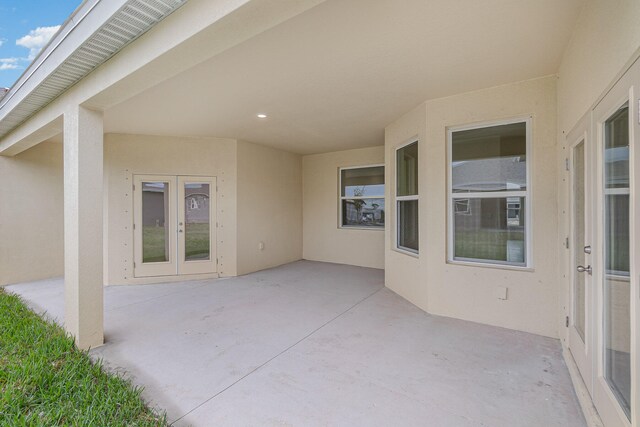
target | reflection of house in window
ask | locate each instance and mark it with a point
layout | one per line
(489, 174)
(363, 212)
(197, 204)
(488, 191)
(513, 210)
(362, 196)
(155, 205)
(462, 207)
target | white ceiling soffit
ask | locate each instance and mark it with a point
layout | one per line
(132, 20)
(333, 77)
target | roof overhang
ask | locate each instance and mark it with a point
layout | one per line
(95, 32)
(190, 33)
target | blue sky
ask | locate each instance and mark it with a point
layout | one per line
(25, 27)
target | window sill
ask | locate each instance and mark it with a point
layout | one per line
(349, 227)
(404, 252)
(491, 265)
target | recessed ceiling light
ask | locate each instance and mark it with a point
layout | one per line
(262, 116)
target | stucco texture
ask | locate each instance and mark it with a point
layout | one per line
(463, 291)
(324, 240)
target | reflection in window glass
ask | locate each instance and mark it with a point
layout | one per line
(363, 182)
(155, 211)
(488, 194)
(407, 170)
(616, 152)
(493, 230)
(197, 239)
(408, 225)
(490, 159)
(617, 291)
(362, 197)
(407, 235)
(462, 206)
(579, 285)
(363, 212)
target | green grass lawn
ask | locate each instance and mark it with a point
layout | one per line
(485, 244)
(197, 241)
(46, 381)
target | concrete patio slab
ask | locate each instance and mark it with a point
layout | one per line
(320, 344)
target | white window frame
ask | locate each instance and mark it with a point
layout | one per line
(397, 199)
(526, 194)
(341, 198)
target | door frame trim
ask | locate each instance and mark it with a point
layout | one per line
(156, 269)
(583, 357)
(624, 90)
(172, 273)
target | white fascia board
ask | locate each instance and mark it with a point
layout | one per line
(85, 21)
(97, 31)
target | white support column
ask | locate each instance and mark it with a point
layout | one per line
(83, 225)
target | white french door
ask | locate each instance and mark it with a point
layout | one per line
(174, 225)
(196, 225)
(581, 214)
(615, 129)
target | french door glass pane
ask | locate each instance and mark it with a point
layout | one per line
(490, 229)
(407, 170)
(197, 227)
(408, 225)
(155, 212)
(617, 320)
(578, 238)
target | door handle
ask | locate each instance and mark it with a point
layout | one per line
(586, 269)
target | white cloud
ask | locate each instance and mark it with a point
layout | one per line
(37, 39)
(2, 42)
(9, 63)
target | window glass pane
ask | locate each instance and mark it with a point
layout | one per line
(616, 152)
(617, 290)
(408, 225)
(155, 211)
(363, 212)
(490, 159)
(363, 182)
(491, 229)
(407, 170)
(197, 239)
(579, 290)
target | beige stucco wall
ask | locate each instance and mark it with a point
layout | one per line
(126, 155)
(269, 207)
(31, 214)
(462, 291)
(323, 239)
(605, 37)
(406, 274)
(605, 41)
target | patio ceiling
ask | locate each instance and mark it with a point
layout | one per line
(333, 77)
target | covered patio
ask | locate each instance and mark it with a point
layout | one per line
(313, 343)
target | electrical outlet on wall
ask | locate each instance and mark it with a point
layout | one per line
(500, 292)
(261, 246)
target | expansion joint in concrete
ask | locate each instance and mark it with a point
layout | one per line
(280, 354)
